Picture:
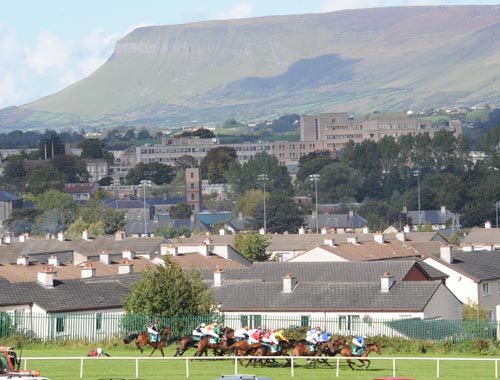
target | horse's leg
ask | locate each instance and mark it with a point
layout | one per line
(154, 349)
(368, 363)
(349, 362)
(161, 350)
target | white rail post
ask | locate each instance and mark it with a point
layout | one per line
(496, 369)
(187, 368)
(292, 367)
(81, 368)
(25, 364)
(235, 365)
(393, 367)
(437, 368)
(136, 368)
(337, 370)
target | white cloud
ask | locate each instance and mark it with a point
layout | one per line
(239, 10)
(51, 51)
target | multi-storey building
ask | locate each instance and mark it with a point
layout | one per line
(337, 129)
(193, 189)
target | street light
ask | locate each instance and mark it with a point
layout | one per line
(116, 185)
(496, 207)
(145, 183)
(315, 178)
(416, 173)
(264, 178)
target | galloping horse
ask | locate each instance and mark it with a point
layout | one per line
(143, 339)
(302, 349)
(185, 344)
(203, 344)
(331, 347)
(346, 351)
(265, 350)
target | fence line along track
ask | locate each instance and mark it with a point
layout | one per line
(292, 359)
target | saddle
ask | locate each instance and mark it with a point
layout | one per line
(357, 351)
(273, 349)
(311, 347)
(153, 338)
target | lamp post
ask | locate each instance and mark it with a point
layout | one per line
(417, 174)
(264, 178)
(496, 209)
(315, 178)
(145, 183)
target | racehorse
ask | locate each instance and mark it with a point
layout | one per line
(265, 350)
(143, 339)
(204, 345)
(302, 349)
(190, 342)
(346, 351)
(331, 347)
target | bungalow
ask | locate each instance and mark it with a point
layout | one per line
(347, 222)
(81, 191)
(481, 238)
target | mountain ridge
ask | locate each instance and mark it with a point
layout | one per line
(391, 58)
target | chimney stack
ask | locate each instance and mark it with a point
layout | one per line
(222, 231)
(489, 246)
(22, 238)
(85, 234)
(302, 231)
(323, 231)
(366, 230)
(405, 210)
(88, 271)
(219, 277)
(353, 240)
(289, 283)
(119, 235)
(23, 260)
(60, 236)
(401, 236)
(379, 237)
(126, 267)
(54, 261)
(386, 282)
(407, 229)
(262, 231)
(46, 277)
(329, 242)
(487, 224)
(445, 254)
(204, 249)
(104, 258)
(128, 254)
(7, 239)
(351, 213)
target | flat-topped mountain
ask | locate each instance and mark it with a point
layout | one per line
(394, 58)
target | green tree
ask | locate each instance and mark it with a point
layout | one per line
(282, 215)
(375, 211)
(55, 199)
(248, 202)
(340, 183)
(143, 134)
(252, 246)
(216, 162)
(106, 181)
(50, 143)
(473, 312)
(312, 166)
(202, 133)
(95, 212)
(44, 177)
(92, 148)
(54, 220)
(181, 211)
(14, 169)
(167, 291)
(172, 232)
(72, 167)
(184, 162)
(440, 184)
(154, 172)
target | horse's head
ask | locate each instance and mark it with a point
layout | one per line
(165, 333)
(374, 347)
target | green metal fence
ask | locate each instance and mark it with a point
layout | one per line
(95, 327)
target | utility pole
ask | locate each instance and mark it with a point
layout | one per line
(264, 178)
(145, 183)
(417, 174)
(496, 207)
(315, 178)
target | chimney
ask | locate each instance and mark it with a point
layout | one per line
(88, 271)
(366, 230)
(126, 267)
(487, 224)
(386, 282)
(401, 236)
(23, 260)
(240, 216)
(352, 240)
(104, 258)
(489, 246)
(468, 248)
(204, 250)
(289, 283)
(85, 234)
(262, 231)
(119, 235)
(7, 239)
(47, 236)
(379, 237)
(323, 231)
(443, 209)
(60, 236)
(22, 238)
(407, 229)
(302, 231)
(445, 254)
(351, 213)
(128, 254)
(46, 277)
(222, 231)
(329, 242)
(405, 210)
(219, 276)
(54, 261)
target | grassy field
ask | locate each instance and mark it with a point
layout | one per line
(159, 369)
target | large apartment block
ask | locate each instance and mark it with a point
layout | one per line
(337, 129)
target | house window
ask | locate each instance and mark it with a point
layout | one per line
(98, 322)
(304, 321)
(486, 288)
(192, 197)
(498, 285)
(348, 322)
(251, 321)
(192, 186)
(60, 325)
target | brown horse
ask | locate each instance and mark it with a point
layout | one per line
(302, 349)
(143, 339)
(331, 347)
(346, 351)
(265, 350)
(204, 345)
(185, 344)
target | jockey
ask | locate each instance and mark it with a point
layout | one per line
(153, 330)
(266, 338)
(255, 336)
(312, 336)
(324, 337)
(277, 335)
(209, 330)
(358, 344)
(197, 332)
(241, 334)
(98, 352)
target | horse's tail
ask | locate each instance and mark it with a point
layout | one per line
(130, 338)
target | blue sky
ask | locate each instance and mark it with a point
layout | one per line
(47, 45)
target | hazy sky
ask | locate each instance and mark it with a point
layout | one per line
(48, 44)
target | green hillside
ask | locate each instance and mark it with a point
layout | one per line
(393, 58)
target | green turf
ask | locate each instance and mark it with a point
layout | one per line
(106, 369)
